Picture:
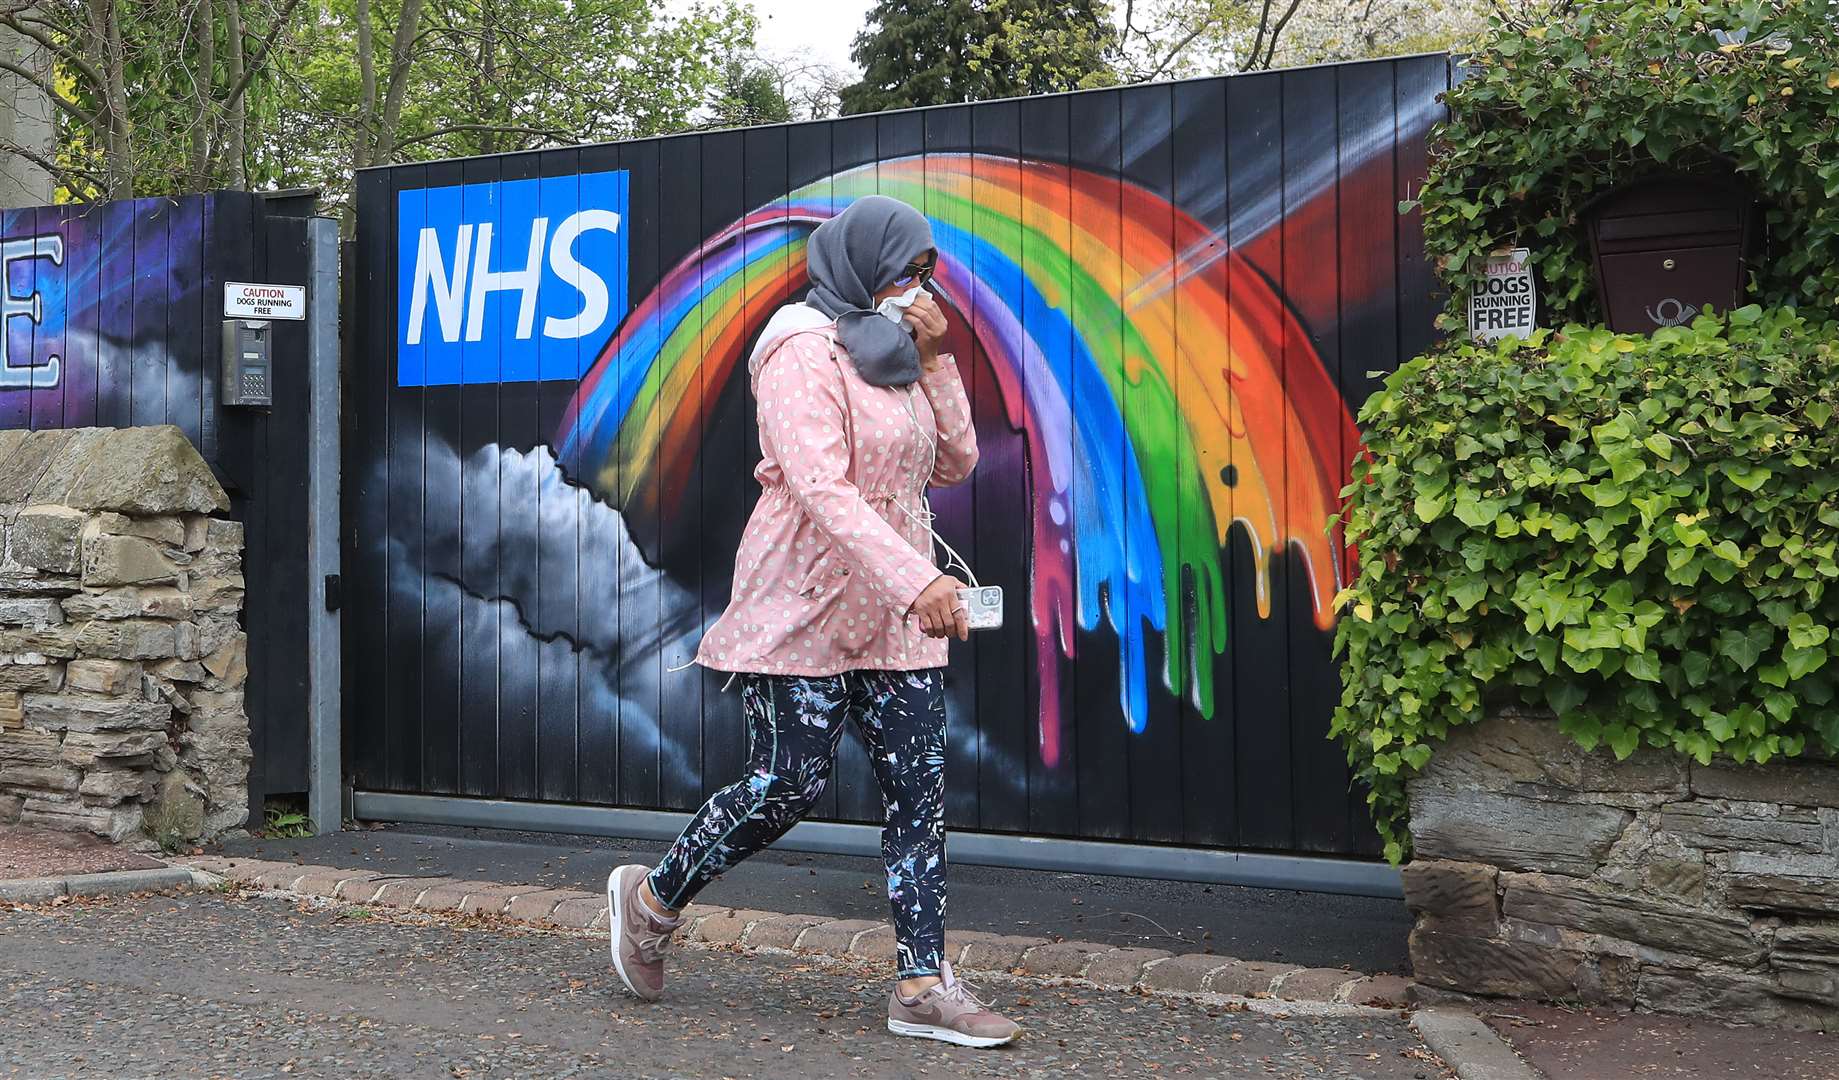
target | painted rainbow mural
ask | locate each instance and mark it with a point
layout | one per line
(1165, 393)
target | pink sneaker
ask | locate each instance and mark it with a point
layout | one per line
(639, 934)
(949, 1012)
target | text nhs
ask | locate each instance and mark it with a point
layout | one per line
(510, 280)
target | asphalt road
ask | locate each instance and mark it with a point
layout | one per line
(240, 986)
(1312, 929)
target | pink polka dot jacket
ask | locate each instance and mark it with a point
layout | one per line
(837, 549)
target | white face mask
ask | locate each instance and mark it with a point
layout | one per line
(894, 308)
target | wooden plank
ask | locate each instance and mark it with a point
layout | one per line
(645, 712)
(1099, 726)
(480, 615)
(83, 284)
(16, 402)
(1155, 751)
(147, 394)
(1261, 668)
(367, 601)
(280, 577)
(210, 339)
(808, 161)
(999, 490)
(436, 638)
(1312, 285)
(597, 581)
(1367, 124)
(47, 334)
(1209, 785)
(855, 142)
(557, 549)
(1053, 790)
(519, 527)
(114, 358)
(405, 480)
(947, 135)
(701, 540)
(1420, 295)
(185, 319)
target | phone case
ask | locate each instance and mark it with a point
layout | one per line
(983, 606)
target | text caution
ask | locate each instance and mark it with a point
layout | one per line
(242, 300)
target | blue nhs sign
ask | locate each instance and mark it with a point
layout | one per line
(509, 280)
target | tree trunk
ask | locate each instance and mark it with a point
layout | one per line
(401, 57)
(367, 88)
(205, 78)
(118, 130)
(488, 69)
(236, 124)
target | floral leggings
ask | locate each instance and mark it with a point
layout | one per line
(793, 724)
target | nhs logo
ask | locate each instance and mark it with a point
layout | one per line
(509, 281)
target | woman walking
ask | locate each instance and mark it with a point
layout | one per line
(837, 610)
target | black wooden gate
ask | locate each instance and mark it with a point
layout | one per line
(126, 303)
(1168, 301)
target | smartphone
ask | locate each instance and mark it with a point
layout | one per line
(983, 606)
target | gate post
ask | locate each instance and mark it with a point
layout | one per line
(324, 653)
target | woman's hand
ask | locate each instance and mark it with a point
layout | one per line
(939, 610)
(927, 322)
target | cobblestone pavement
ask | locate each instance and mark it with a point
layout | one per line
(246, 986)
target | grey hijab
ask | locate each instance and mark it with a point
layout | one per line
(851, 257)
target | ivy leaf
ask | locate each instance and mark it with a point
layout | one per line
(1740, 647)
(1780, 705)
(1605, 495)
(1622, 739)
(1643, 665)
(1564, 696)
(1803, 662)
(1804, 633)
(1584, 728)
(1747, 477)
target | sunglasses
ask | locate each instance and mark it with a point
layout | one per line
(916, 273)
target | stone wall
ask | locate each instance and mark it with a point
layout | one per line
(122, 654)
(1544, 871)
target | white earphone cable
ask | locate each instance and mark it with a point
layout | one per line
(926, 522)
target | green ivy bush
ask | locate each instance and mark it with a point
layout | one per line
(1550, 117)
(1638, 533)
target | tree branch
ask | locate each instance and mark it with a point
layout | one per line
(75, 59)
(1174, 51)
(401, 59)
(254, 63)
(60, 172)
(367, 84)
(51, 92)
(1270, 51)
(502, 129)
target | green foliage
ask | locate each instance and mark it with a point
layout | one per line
(1638, 533)
(943, 52)
(748, 94)
(288, 823)
(1550, 116)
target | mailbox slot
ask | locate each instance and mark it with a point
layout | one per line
(1668, 247)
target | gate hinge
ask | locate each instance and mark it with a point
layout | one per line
(335, 597)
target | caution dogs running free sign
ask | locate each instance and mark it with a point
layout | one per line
(1504, 302)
